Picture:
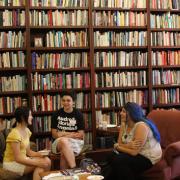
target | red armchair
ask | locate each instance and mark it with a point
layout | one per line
(168, 123)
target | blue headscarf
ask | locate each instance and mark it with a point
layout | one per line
(136, 113)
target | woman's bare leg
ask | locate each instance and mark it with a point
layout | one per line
(36, 174)
(29, 169)
(38, 170)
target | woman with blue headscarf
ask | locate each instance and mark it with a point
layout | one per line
(138, 147)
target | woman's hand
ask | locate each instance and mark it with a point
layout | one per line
(136, 144)
(43, 163)
(38, 154)
(116, 145)
(132, 145)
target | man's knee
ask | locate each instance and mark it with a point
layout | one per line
(63, 142)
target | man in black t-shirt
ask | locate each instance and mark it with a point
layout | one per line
(67, 128)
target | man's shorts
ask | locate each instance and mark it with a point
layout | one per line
(76, 145)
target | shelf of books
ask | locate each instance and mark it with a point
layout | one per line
(165, 53)
(60, 60)
(120, 57)
(13, 59)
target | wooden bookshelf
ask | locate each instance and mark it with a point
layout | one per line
(164, 20)
(106, 52)
(13, 59)
(68, 29)
(149, 48)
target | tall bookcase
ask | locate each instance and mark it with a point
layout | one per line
(120, 57)
(13, 57)
(165, 53)
(108, 51)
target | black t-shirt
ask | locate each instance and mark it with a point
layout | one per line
(70, 122)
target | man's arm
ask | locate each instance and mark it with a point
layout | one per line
(76, 135)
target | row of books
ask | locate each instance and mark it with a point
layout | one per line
(120, 79)
(165, 4)
(165, 58)
(48, 102)
(12, 18)
(166, 77)
(11, 39)
(79, 39)
(76, 60)
(119, 18)
(87, 120)
(107, 118)
(80, 18)
(155, 4)
(12, 2)
(59, 18)
(119, 98)
(83, 100)
(60, 81)
(135, 58)
(88, 140)
(120, 3)
(166, 96)
(165, 38)
(166, 20)
(59, 60)
(12, 59)
(120, 58)
(42, 124)
(9, 104)
(59, 3)
(13, 83)
(101, 59)
(113, 38)
(43, 143)
(7, 124)
(66, 39)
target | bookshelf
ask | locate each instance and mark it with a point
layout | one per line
(109, 52)
(13, 59)
(120, 58)
(60, 61)
(164, 23)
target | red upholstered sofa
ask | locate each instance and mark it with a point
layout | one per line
(168, 123)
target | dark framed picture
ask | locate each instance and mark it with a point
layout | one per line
(38, 41)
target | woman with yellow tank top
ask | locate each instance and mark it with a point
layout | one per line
(18, 157)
